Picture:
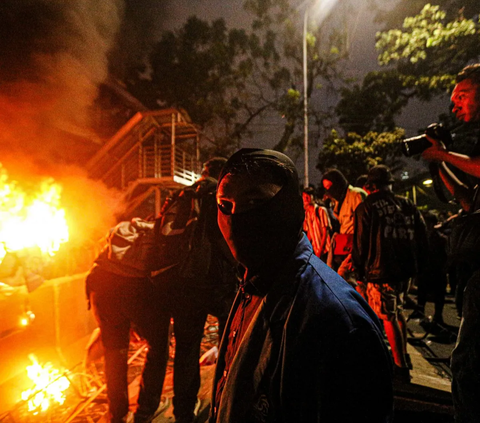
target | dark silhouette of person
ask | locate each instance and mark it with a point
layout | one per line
(465, 362)
(300, 344)
(188, 298)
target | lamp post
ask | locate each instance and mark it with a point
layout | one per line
(325, 9)
(305, 97)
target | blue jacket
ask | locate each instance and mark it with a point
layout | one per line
(317, 347)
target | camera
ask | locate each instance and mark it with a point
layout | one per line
(417, 145)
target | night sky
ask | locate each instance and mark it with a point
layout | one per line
(54, 53)
(362, 29)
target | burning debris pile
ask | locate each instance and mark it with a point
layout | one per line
(59, 396)
(49, 387)
(76, 395)
(31, 221)
(33, 226)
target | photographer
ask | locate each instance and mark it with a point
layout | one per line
(466, 355)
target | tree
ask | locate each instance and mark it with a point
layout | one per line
(355, 154)
(422, 58)
(373, 105)
(226, 78)
(197, 68)
(393, 17)
(430, 50)
(277, 19)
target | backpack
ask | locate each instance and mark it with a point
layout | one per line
(130, 245)
(182, 231)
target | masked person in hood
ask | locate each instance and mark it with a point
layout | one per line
(300, 344)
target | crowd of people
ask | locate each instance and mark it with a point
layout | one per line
(307, 288)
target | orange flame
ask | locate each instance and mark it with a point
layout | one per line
(31, 220)
(49, 386)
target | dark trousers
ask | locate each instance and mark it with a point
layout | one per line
(118, 302)
(466, 356)
(434, 285)
(187, 305)
(188, 328)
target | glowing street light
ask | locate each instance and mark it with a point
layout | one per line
(305, 97)
(324, 9)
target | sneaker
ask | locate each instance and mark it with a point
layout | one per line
(196, 410)
(128, 418)
(198, 404)
(426, 322)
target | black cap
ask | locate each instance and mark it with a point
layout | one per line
(379, 174)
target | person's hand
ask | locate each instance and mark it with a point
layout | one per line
(436, 152)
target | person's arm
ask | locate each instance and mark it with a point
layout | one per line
(323, 227)
(359, 232)
(438, 153)
(457, 188)
(310, 227)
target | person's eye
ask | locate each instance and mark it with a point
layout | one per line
(226, 207)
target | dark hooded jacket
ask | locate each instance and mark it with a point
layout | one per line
(317, 346)
(313, 350)
(390, 240)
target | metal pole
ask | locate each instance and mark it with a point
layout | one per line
(305, 97)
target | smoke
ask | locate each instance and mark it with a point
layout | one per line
(140, 28)
(91, 208)
(53, 56)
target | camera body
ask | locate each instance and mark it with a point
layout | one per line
(417, 145)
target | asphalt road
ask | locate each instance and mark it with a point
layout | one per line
(428, 398)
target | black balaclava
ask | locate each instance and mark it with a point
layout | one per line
(339, 184)
(263, 237)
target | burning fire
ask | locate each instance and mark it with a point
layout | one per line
(31, 219)
(49, 387)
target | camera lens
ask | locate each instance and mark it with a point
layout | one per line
(415, 145)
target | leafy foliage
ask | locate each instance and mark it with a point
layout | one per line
(423, 58)
(393, 17)
(373, 105)
(226, 78)
(355, 154)
(197, 69)
(430, 50)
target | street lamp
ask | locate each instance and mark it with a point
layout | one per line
(305, 95)
(325, 8)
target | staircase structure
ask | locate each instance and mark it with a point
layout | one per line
(153, 152)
